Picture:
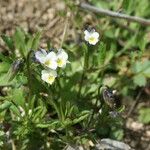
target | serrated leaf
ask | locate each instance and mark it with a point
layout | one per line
(18, 97)
(40, 111)
(50, 124)
(144, 115)
(147, 72)
(139, 80)
(77, 120)
(140, 66)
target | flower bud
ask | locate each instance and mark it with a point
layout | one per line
(16, 66)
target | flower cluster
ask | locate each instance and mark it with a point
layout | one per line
(51, 62)
(91, 36)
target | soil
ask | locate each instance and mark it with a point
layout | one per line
(33, 15)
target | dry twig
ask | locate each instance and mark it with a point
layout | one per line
(115, 14)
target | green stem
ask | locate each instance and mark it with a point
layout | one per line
(53, 102)
(85, 68)
(61, 105)
(29, 74)
(101, 104)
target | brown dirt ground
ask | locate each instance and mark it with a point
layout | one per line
(34, 15)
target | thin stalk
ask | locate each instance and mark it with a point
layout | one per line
(85, 68)
(92, 116)
(54, 104)
(65, 30)
(29, 74)
(61, 102)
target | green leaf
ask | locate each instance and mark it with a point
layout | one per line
(128, 5)
(139, 80)
(50, 124)
(125, 4)
(15, 110)
(77, 120)
(19, 38)
(5, 106)
(4, 80)
(18, 97)
(4, 67)
(144, 115)
(36, 40)
(147, 72)
(48, 45)
(140, 66)
(117, 134)
(102, 53)
(84, 47)
(121, 109)
(29, 42)
(5, 58)
(14, 69)
(8, 41)
(137, 67)
(40, 112)
(109, 56)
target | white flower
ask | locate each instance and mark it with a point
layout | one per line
(49, 76)
(40, 55)
(48, 59)
(91, 36)
(62, 58)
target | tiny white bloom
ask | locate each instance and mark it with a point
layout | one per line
(49, 76)
(62, 58)
(48, 59)
(22, 111)
(91, 36)
(100, 111)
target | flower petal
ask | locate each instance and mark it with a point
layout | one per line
(51, 55)
(86, 32)
(95, 34)
(62, 54)
(53, 65)
(91, 36)
(40, 55)
(49, 76)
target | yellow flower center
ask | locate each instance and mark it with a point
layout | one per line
(59, 62)
(47, 62)
(51, 79)
(91, 39)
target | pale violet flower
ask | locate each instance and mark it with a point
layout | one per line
(113, 114)
(48, 59)
(91, 37)
(62, 58)
(49, 76)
